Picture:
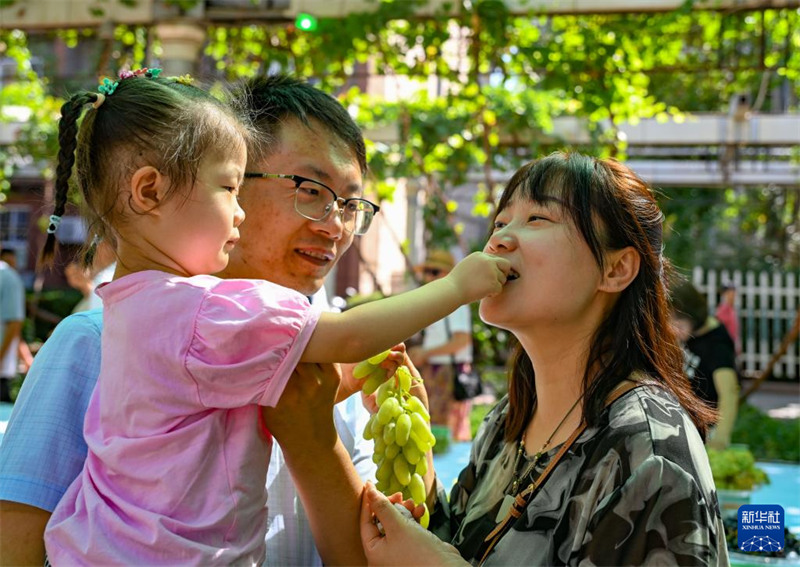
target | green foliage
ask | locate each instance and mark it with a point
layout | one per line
(26, 103)
(442, 435)
(478, 88)
(735, 469)
(769, 439)
(476, 417)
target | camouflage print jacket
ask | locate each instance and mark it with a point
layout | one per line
(634, 490)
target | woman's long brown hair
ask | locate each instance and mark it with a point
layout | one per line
(612, 208)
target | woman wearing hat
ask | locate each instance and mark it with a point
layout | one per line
(446, 348)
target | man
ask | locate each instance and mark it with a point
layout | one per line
(12, 315)
(309, 134)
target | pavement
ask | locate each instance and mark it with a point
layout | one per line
(780, 400)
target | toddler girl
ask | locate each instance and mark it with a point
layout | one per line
(176, 467)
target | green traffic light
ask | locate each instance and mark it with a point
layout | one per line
(306, 22)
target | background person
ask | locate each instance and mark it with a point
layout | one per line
(446, 349)
(587, 302)
(80, 278)
(12, 317)
(727, 315)
(710, 359)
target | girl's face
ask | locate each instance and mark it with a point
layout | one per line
(203, 229)
(558, 275)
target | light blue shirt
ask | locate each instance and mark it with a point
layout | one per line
(43, 449)
(12, 308)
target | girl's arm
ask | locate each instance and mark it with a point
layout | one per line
(369, 329)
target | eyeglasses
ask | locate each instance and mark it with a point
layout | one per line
(315, 201)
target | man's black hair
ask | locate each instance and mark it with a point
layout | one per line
(268, 100)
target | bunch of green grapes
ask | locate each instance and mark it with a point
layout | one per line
(399, 430)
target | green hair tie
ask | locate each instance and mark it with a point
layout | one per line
(107, 87)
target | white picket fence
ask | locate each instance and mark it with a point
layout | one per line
(767, 305)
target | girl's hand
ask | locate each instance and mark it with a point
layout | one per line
(479, 275)
(406, 542)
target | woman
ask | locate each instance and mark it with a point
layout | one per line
(589, 310)
(709, 359)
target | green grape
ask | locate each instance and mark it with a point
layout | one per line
(400, 433)
(368, 428)
(392, 406)
(416, 487)
(392, 451)
(419, 425)
(403, 429)
(376, 378)
(385, 413)
(384, 472)
(401, 471)
(389, 433)
(422, 444)
(426, 518)
(378, 358)
(422, 466)
(377, 427)
(415, 405)
(383, 392)
(362, 369)
(403, 379)
(412, 453)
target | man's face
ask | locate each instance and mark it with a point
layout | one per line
(277, 244)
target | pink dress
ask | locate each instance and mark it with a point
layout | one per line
(176, 470)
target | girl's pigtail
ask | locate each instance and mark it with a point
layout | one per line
(67, 141)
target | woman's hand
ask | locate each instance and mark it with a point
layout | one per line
(406, 542)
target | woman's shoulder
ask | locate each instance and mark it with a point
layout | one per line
(649, 423)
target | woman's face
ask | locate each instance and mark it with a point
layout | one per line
(558, 275)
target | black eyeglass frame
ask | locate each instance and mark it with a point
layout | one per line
(298, 179)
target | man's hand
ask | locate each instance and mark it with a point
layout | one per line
(405, 542)
(397, 358)
(304, 413)
(321, 468)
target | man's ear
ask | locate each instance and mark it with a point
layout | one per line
(622, 267)
(148, 187)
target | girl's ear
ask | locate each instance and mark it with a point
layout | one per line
(622, 267)
(148, 188)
